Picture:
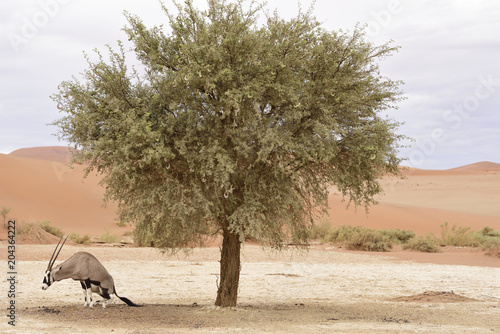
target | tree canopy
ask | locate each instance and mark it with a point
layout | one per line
(233, 127)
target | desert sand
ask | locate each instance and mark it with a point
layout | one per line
(37, 185)
(319, 291)
(322, 290)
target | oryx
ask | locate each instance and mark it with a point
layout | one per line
(83, 267)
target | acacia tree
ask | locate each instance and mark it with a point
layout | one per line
(233, 127)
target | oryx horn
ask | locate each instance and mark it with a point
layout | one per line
(53, 259)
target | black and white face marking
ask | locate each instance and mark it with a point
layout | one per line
(47, 280)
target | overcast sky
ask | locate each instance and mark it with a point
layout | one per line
(449, 61)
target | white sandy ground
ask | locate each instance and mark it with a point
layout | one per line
(288, 292)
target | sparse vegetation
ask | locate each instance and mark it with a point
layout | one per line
(143, 237)
(488, 231)
(426, 244)
(363, 238)
(5, 211)
(45, 225)
(490, 240)
(487, 239)
(369, 240)
(458, 236)
(24, 229)
(109, 238)
(341, 234)
(398, 236)
(492, 246)
(320, 230)
(121, 223)
(31, 231)
(78, 239)
(354, 237)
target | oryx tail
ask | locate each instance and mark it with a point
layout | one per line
(127, 301)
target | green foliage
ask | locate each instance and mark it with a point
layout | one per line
(426, 244)
(234, 128)
(45, 225)
(491, 246)
(369, 240)
(144, 237)
(320, 229)
(398, 236)
(354, 237)
(78, 239)
(489, 240)
(109, 238)
(362, 238)
(458, 236)
(121, 223)
(235, 125)
(342, 233)
(488, 231)
(26, 229)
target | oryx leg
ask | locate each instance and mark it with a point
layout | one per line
(107, 298)
(88, 293)
(84, 289)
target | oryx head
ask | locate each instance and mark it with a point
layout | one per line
(48, 278)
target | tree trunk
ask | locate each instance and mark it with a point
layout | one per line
(227, 293)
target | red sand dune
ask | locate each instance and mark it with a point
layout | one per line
(61, 154)
(479, 166)
(37, 190)
(421, 220)
(36, 184)
(466, 196)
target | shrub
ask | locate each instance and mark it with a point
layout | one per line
(143, 237)
(45, 225)
(369, 240)
(342, 233)
(26, 229)
(109, 238)
(76, 238)
(423, 244)
(5, 211)
(398, 236)
(354, 237)
(31, 233)
(490, 241)
(320, 229)
(488, 231)
(458, 236)
(361, 238)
